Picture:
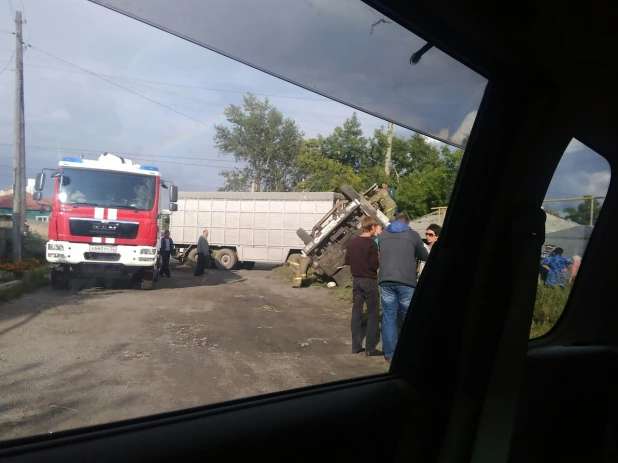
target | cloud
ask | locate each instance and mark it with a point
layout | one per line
(327, 46)
(464, 129)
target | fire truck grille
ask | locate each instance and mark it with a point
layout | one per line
(103, 228)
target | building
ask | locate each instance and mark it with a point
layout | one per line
(570, 236)
(35, 211)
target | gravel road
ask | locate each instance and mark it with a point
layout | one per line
(87, 356)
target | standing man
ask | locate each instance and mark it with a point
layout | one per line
(299, 264)
(385, 202)
(166, 249)
(362, 257)
(203, 252)
(391, 193)
(400, 247)
(431, 236)
(556, 265)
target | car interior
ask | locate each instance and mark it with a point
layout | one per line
(467, 384)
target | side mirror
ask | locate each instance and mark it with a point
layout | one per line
(38, 195)
(173, 189)
(173, 207)
(39, 183)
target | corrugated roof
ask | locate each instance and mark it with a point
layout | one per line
(552, 223)
(6, 202)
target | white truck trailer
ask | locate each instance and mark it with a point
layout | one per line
(245, 228)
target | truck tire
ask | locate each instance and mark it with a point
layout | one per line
(349, 192)
(192, 257)
(249, 265)
(225, 259)
(59, 281)
(303, 235)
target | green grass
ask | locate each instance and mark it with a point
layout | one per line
(37, 279)
(549, 305)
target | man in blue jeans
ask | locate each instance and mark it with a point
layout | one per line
(400, 247)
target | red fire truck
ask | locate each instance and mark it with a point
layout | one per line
(104, 221)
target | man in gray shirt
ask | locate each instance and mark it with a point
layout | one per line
(400, 247)
(202, 254)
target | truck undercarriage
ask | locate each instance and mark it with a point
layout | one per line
(327, 243)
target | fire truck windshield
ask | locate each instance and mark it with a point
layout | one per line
(104, 188)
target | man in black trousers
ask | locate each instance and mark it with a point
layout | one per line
(167, 246)
(363, 258)
(203, 253)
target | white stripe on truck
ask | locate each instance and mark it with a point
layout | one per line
(112, 214)
(99, 212)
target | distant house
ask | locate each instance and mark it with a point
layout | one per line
(570, 236)
(35, 211)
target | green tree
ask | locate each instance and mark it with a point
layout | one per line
(268, 143)
(346, 145)
(581, 215)
(319, 173)
(236, 180)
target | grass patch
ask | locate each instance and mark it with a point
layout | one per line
(35, 280)
(548, 307)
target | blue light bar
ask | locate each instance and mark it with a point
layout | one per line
(152, 168)
(72, 160)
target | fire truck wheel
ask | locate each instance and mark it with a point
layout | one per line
(59, 281)
(225, 259)
(192, 257)
(146, 285)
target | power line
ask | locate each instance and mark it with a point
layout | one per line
(11, 8)
(120, 86)
(174, 84)
(124, 153)
(7, 64)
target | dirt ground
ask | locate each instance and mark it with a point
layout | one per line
(83, 357)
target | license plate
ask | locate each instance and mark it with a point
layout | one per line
(104, 248)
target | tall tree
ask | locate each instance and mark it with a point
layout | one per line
(581, 215)
(319, 173)
(347, 146)
(269, 144)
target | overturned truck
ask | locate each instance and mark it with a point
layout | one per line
(327, 242)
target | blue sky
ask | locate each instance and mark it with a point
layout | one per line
(183, 89)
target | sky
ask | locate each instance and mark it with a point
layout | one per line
(98, 81)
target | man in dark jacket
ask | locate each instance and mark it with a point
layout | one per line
(400, 247)
(203, 253)
(166, 249)
(362, 257)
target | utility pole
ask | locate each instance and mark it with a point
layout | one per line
(389, 148)
(19, 152)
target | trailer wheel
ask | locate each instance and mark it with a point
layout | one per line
(225, 259)
(192, 257)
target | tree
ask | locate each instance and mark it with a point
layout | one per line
(347, 146)
(581, 215)
(236, 180)
(268, 143)
(319, 173)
